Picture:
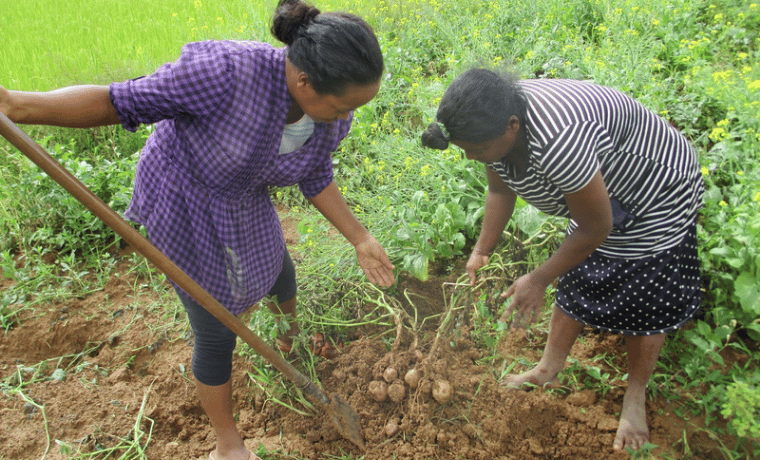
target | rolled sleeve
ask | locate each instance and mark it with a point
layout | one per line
(323, 173)
(319, 179)
(195, 85)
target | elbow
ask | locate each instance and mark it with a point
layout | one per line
(605, 227)
(601, 231)
(595, 233)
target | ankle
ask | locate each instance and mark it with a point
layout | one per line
(233, 449)
(549, 371)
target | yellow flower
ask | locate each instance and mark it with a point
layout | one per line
(754, 85)
(723, 203)
(721, 75)
(739, 173)
(705, 171)
(718, 134)
(757, 197)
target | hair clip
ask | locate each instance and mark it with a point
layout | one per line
(445, 131)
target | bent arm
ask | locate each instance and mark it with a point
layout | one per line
(72, 107)
(371, 256)
(500, 204)
(590, 209)
(331, 204)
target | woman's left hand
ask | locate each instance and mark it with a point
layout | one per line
(527, 301)
(374, 262)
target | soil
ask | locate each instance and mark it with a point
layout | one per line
(126, 367)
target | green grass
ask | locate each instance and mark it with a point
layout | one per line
(694, 62)
(99, 41)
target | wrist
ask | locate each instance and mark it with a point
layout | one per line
(539, 278)
(359, 237)
(481, 252)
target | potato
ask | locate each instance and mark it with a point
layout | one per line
(412, 378)
(378, 390)
(390, 374)
(396, 391)
(391, 428)
(442, 391)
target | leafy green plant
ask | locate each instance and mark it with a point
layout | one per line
(742, 409)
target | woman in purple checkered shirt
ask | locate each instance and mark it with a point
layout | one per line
(232, 119)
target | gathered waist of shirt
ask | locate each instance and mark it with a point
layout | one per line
(197, 180)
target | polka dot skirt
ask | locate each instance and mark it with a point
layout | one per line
(646, 296)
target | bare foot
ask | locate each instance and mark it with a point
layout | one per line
(285, 342)
(236, 455)
(536, 376)
(632, 431)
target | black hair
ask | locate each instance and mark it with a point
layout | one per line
(476, 108)
(333, 49)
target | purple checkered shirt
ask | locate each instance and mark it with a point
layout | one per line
(202, 182)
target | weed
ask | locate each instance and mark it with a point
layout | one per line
(644, 452)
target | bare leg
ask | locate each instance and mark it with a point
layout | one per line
(287, 308)
(643, 352)
(563, 330)
(217, 402)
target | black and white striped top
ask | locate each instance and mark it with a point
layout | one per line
(574, 129)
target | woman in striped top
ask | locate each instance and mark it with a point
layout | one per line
(630, 185)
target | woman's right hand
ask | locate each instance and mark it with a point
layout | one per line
(527, 295)
(476, 261)
(5, 101)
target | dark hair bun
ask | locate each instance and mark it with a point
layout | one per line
(434, 138)
(289, 17)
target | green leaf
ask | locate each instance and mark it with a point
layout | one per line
(753, 331)
(704, 328)
(748, 290)
(459, 242)
(529, 219)
(417, 265)
(722, 252)
(403, 234)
